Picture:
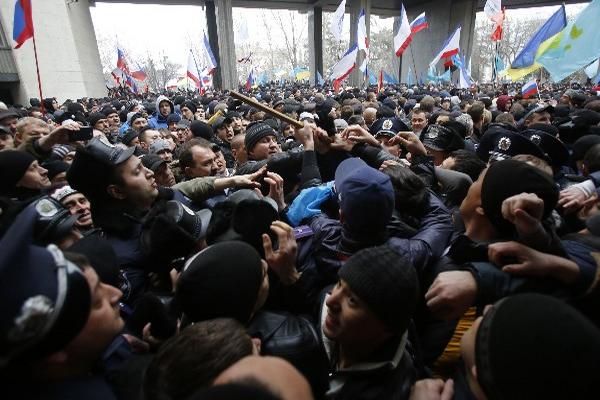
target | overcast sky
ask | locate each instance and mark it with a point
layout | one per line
(170, 29)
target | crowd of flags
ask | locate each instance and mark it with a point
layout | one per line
(559, 46)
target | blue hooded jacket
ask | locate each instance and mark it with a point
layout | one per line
(158, 121)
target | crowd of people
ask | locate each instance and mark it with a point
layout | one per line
(413, 243)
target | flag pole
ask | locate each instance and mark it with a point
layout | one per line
(414, 65)
(197, 69)
(37, 70)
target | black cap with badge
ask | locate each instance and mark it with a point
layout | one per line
(44, 299)
(500, 144)
(388, 127)
(90, 171)
(52, 221)
(442, 138)
(556, 152)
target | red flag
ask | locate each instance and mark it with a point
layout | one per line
(499, 20)
(22, 22)
(380, 81)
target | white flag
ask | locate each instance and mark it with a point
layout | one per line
(337, 24)
(404, 36)
(242, 35)
(492, 8)
(192, 71)
(592, 70)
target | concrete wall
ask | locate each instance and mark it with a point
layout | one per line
(443, 16)
(67, 51)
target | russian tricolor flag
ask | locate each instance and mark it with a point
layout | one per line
(122, 62)
(342, 69)
(529, 89)
(250, 80)
(419, 24)
(22, 22)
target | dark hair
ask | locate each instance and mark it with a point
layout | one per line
(476, 111)
(356, 120)
(142, 132)
(346, 112)
(194, 358)
(592, 159)
(409, 190)
(467, 162)
(186, 158)
(78, 259)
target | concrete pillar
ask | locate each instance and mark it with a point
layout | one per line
(357, 77)
(213, 40)
(315, 42)
(441, 24)
(396, 61)
(67, 52)
(224, 16)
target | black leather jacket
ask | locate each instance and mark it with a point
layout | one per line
(388, 374)
(293, 338)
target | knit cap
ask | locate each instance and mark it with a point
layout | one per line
(386, 281)
(532, 346)
(222, 281)
(13, 165)
(255, 133)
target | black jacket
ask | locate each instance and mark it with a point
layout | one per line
(388, 374)
(293, 338)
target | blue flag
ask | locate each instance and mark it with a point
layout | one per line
(389, 79)
(320, 80)
(372, 79)
(555, 24)
(576, 46)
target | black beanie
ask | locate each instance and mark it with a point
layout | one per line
(190, 105)
(221, 281)
(386, 281)
(13, 165)
(532, 346)
(508, 178)
(202, 130)
(93, 118)
(257, 132)
(56, 167)
(128, 136)
(101, 256)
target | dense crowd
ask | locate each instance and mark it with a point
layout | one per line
(413, 243)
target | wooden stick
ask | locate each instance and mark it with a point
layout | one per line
(267, 109)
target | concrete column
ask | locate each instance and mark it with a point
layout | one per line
(357, 77)
(213, 40)
(67, 52)
(315, 42)
(463, 13)
(441, 24)
(396, 61)
(228, 66)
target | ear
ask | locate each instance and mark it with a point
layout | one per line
(474, 371)
(18, 137)
(54, 359)
(115, 192)
(186, 172)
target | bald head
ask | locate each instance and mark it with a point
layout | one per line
(370, 114)
(273, 373)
